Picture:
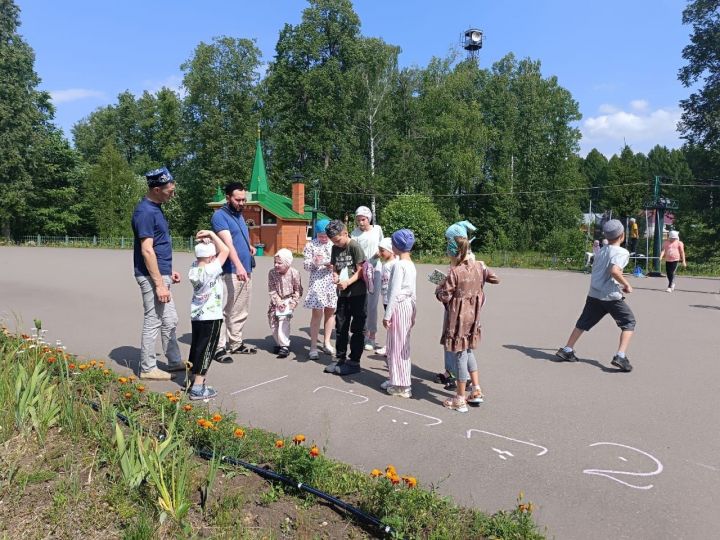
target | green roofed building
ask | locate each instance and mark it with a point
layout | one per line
(274, 220)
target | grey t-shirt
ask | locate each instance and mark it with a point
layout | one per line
(602, 285)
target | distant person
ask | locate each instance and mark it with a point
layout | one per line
(322, 291)
(462, 292)
(400, 315)
(229, 224)
(347, 258)
(368, 236)
(673, 251)
(607, 285)
(634, 235)
(387, 261)
(206, 309)
(152, 259)
(285, 289)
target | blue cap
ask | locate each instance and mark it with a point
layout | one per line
(320, 226)
(463, 229)
(403, 240)
(159, 177)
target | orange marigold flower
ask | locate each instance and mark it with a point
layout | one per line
(390, 469)
(93, 363)
(106, 372)
(101, 364)
(131, 378)
(411, 481)
(201, 422)
(279, 443)
(187, 408)
(239, 433)
(375, 473)
(168, 395)
(122, 380)
(216, 417)
(51, 360)
(140, 388)
(395, 479)
(83, 367)
(71, 366)
(174, 399)
(299, 439)
(314, 451)
(128, 395)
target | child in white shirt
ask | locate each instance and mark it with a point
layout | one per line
(387, 260)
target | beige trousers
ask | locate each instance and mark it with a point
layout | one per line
(236, 311)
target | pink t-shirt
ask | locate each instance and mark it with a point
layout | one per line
(674, 250)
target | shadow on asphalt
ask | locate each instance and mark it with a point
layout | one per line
(703, 306)
(186, 339)
(126, 356)
(542, 354)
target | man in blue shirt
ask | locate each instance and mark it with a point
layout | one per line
(152, 258)
(229, 224)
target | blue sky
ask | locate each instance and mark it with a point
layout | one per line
(619, 59)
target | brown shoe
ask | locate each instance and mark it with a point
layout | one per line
(155, 374)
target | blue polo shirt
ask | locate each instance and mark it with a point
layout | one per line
(225, 219)
(148, 221)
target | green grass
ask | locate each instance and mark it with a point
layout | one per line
(179, 496)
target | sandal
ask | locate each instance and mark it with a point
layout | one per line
(476, 396)
(244, 349)
(442, 378)
(456, 403)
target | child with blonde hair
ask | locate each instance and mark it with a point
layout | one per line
(285, 290)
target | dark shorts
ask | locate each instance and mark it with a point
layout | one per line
(595, 310)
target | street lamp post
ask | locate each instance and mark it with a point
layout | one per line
(316, 185)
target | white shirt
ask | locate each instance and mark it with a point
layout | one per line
(207, 299)
(403, 282)
(369, 241)
(387, 267)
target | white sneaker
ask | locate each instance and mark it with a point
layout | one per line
(155, 374)
(399, 391)
(369, 346)
(329, 349)
(672, 287)
(385, 385)
(313, 355)
(382, 351)
(668, 289)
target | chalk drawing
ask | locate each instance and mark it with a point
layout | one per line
(256, 385)
(542, 452)
(611, 474)
(363, 399)
(435, 422)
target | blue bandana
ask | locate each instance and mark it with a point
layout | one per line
(159, 177)
(403, 240)
(463, 229)
(320, 226)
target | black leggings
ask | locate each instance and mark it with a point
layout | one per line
(670, 267)
(205, 337)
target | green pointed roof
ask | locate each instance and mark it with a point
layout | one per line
(258, 182)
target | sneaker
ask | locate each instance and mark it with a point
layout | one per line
(443, 378)
(329, 349)
(566, 356)
(672, 287)
(456, 403)
(669, 289)
(399, 391)
(451, 384)
(385, 384)
(284, 352)
(207, 392)
(347, 368)
(382, 351)
(623, 364)
(180, 366)
(155, 374)
(313, 354)
(476, 397)
(369, 345)
(331, 367)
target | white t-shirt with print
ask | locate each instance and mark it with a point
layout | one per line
(369, 241)
(207, 299)
(385, 279)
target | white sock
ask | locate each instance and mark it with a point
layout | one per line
(620, 354)
(567, 349)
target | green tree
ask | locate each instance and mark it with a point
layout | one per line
(418, 213)
(114, 190)
(595, 170)
(220, 118)
(628, 183)
(23, 111)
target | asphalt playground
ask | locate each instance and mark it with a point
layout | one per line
(601, 454)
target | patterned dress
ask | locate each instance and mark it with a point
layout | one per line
(282, 288)
(322, 292)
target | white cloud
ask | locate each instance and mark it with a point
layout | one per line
(171, 82)
(640, 127)
(74, 94)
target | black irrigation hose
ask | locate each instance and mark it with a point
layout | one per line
(269, 474)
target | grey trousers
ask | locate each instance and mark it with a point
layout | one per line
(372, 300)
(159, 319)
(236, 310)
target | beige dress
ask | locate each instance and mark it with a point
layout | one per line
(463, 296)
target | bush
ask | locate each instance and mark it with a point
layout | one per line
(418, 213)
(565, 243)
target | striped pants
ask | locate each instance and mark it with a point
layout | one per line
(398, 342)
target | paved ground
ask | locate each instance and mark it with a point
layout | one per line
(602, 454)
